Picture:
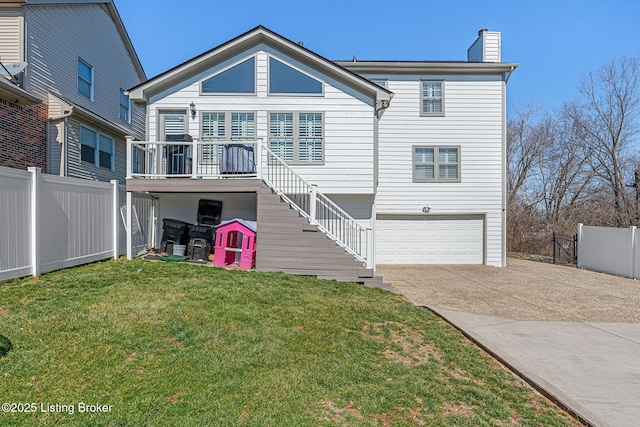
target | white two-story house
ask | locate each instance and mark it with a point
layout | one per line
(73, 63)
(343, 164)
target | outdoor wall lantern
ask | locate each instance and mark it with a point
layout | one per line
(426, 209)
(192, 110)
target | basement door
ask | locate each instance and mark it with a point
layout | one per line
(430, 240)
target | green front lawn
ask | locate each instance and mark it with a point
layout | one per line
(187, 345)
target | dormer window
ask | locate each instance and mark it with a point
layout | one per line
(237, 79)
(286, 80)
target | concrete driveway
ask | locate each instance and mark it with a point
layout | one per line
(573, 333)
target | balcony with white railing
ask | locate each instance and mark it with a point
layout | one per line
(239, 160)
(192, 159)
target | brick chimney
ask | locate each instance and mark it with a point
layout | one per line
(486, 48)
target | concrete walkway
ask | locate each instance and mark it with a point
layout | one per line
(573, 333)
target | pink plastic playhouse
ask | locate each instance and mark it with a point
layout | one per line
(235, 245)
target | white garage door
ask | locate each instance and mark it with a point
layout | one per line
(429, 240)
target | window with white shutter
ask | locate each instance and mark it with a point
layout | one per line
(432, 98)
(297, 138)
(436, 164)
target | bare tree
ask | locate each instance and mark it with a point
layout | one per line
(526, 141)
(607, 123)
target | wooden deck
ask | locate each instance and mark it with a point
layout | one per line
(188, 185)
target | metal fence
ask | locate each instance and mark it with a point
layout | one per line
(565, 249)
(610, 250)
(49, 222)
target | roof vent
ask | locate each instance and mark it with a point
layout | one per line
(301, 44)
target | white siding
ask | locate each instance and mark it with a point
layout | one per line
(348, 121)
(486, 48)
(11, 35)
(57, 35)
(473, 121)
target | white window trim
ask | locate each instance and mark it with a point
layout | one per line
(91, 83)
(128, 118)
(96, 153)
(255, 79)
(227, 133)
(436, 164)
(422, 98)
(269, 93)
(296, 136)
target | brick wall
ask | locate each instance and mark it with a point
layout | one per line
(22, 135)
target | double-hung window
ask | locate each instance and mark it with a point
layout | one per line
(298, 137)
(125, 106)
(219, 127)
(85, 79)
(436, 164)
(96, 148)
(432, 98)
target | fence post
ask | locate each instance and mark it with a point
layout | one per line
(579, 244)
(116, 217)
(312, 204)
(35, 220)
(128, 227)
(633, 252)
(553, 242)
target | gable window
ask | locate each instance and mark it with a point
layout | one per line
(96, 148)
(125, 107)
(381, 83)
(432, 98)
(224, 126)
(85, 79)
(238, 79)
(297, 138)
(436, 164)
(284, 79)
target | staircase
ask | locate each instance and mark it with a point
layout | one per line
(288, 243)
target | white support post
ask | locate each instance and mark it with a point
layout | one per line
(129, 235)
(634, 247)
(116, 217)
(195, 160)
(35, 220)
(370, 259)
(579, 244)
(258, 157)
(129, 156)
(372, 237)
(312, 205)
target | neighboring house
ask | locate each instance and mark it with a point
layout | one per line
(408, 157)
(74, 113)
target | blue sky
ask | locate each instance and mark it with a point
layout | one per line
(555, 42)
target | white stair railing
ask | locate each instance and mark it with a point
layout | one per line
(316, 207)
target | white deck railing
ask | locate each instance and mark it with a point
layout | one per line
(192, 159)
(251, 159)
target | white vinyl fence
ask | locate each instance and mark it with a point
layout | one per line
(49, 222)
(610, 250)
